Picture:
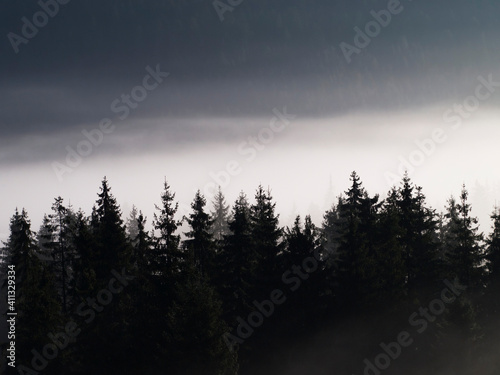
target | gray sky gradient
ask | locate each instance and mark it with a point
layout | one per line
(225, 80)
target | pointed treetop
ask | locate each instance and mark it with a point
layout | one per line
(107, 208)
(220, 215)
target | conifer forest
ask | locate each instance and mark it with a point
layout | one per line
(249, 187)
(384, 284)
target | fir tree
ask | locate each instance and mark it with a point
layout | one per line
(220, 217)
(164, 262)
(111, 253)
(390, 252)
(419, 238)
(301, 241)
(465, 257)
(330, 242)
(493, 253)
(267, 240)
(237, 263)
(131, 225)
(488, 347)
(85, 278)
(147, 313)
(199, 238)
(356, 254)
(465, 251)
(303, 257)
(113, 250)
(330, 230)
(165, 258)
(36, 304)
(62, 255)
(54, 240)
(142, 244)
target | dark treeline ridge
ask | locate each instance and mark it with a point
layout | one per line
(238, 294)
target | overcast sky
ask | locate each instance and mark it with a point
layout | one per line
(293, 74)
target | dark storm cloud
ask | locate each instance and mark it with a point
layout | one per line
(264, 55)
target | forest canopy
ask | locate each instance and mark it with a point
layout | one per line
(239, 294)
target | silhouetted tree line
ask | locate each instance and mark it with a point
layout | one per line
(139, 301)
